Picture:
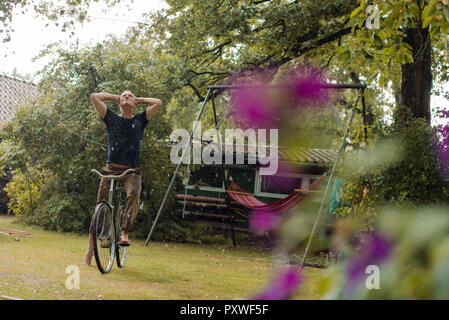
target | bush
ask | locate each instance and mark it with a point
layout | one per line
(418, 176)
(400, 167)
(24, 193)
(61, 213)
(60, 135)
(171, 228)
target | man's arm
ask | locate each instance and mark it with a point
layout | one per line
(153, 106)
(99, 99)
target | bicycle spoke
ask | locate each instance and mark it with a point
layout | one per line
(121, 251)
(104, 245)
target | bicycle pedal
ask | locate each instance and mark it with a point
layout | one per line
(124, 243)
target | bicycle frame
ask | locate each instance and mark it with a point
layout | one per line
(115, 205)
(111, 192)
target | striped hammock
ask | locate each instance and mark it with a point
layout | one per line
(292, 201)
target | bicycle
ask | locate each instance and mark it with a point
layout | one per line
(107, 227)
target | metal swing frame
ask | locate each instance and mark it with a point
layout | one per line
(211, 96)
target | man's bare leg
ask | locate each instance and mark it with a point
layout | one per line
(90, 251)
(124, 236)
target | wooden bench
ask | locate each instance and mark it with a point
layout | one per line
(199, 204)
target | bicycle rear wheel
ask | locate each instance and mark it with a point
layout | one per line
(104, 238)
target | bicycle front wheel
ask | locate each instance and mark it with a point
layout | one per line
(104, 238)
(121, 256)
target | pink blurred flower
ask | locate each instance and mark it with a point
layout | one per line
(253, 105)
(283, 285)
(264, 221)
(307, 87)
(374, 249)
(263, 108)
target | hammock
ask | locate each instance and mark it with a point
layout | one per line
(292, 201)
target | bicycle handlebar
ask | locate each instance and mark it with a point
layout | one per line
(112, 176)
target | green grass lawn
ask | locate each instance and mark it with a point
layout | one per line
(35, 268)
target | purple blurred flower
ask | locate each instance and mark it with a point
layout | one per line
(254, 107)
(358, 240)
(307, 87)
(374, 249)
(259, 107)
(263, 221)
(286, 169)
(284, 284)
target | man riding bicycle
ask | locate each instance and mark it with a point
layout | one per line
(124, 136)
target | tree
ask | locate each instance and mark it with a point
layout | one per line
(60, 136)
(209, 40)
(212, 39)
(203, 42)
(411, 33)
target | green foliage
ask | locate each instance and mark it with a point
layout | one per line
(60, 212)
(199, 43)
(60, 134)
(183, 109)
(24, 193)
(415, 268)
(385, 47)
(203, 42)
(399, 167)
(182, 49)
(418, 176)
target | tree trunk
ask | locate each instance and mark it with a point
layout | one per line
(417, 76)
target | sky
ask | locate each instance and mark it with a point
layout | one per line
(30, 34)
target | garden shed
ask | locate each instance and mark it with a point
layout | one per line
(205, 198)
